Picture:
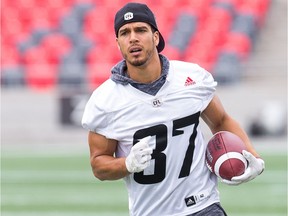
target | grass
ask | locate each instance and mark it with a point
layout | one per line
(50, 185)
(266, 195)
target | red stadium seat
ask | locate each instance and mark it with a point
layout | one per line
(218, 19)
(236, 3)
(8, 3)
(258, 8)
(200, 6)
(104, 53)
(166, 5)
(54, 3)
(98, 24)
(214, 28)
(110, 3)
(26, 3)
(12, 31)
(9, 13)
(35, 55)
(98, 73)
(55, 45)
(99, 54)
(238, 43)
(165, 21)
(42, 17)
(172, 52)
(208, 37)
(99, 2)
(41, 76)
(9, 56)
(20, 20)
(11, 24)
(56, 13)
(203, 54)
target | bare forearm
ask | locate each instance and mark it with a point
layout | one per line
(108, 168)
(233, 126)
(218, 120)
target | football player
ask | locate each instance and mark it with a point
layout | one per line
(143, 125)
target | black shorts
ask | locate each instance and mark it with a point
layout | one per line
(212, 210)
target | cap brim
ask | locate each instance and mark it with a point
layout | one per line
(161, 44)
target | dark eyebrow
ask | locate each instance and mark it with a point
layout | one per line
(136, 28)
(141, 27)
(123, 30)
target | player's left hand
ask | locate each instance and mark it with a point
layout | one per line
(255, 167)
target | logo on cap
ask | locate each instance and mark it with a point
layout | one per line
(128, 16)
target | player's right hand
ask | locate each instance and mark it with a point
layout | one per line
(140, 156)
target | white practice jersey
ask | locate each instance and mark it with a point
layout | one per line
(177, 182)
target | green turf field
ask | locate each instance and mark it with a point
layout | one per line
(63, 185)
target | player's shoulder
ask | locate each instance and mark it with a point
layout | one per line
(109, 96)
(103, 93)
(105, 88)
(184, 65)
(182, 69)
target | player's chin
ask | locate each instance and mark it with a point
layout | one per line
(137, 61)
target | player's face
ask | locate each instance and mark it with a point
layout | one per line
(137, 43)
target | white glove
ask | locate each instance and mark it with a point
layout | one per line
(140, 156)
(255, 167)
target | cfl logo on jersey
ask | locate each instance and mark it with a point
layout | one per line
(156, 103)
(128, 16)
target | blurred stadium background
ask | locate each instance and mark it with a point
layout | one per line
(55, 52)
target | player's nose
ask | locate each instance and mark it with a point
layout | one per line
(133, 37)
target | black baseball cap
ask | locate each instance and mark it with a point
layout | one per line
(137, 12)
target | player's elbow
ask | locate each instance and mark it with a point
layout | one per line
(106, 167)
(99, 171)
(99, 174)
(221, 124)
(227, 123)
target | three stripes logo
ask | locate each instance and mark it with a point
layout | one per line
(189, 82)
(190, 201)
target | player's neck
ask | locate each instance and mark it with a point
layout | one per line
(147, 73)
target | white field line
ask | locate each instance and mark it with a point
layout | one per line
(83, 199)
(68, 214)
(45, 153)
(66, 150)
(22, 176)
(110, 214)
(68, 199)
(255, 214)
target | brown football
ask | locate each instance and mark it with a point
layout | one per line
(224, 155)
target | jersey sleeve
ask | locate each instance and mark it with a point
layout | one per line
(209, 86)
(194, 81)
(95, 118)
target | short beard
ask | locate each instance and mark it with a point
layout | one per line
(141, 62)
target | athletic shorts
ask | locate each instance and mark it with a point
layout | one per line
(212, 210)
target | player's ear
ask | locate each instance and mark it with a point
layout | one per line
(156, 37)
(117, 43)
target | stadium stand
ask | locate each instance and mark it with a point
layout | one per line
(183, 31)
(69, 43)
